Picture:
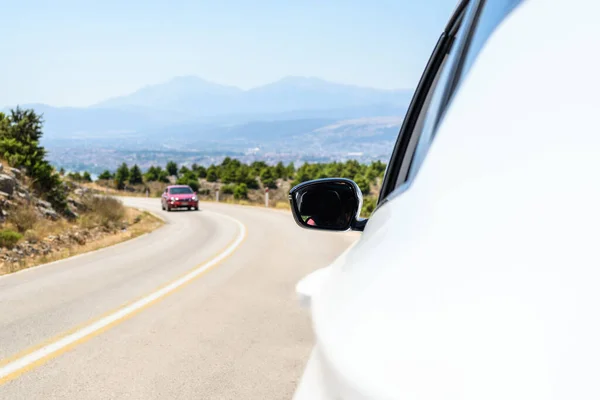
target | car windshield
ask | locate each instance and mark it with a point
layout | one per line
(181, 190)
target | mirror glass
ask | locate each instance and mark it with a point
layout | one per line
(326, 204)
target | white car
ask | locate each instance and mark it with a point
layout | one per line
(478, 275)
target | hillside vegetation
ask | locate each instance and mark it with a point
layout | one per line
(44, 217)
(237, 181)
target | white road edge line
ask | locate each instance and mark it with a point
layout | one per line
(51, 348)
(76, 256)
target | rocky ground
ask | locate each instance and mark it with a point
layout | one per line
(45, 234)
(32, 247)
(14, 192)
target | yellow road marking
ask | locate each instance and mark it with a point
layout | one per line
(24, 361)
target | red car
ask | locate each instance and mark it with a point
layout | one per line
(179, 196)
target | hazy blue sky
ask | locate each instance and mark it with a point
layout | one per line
(73, 52)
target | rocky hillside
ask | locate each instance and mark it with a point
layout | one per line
(33, 232)
(15, 193)
(42, 216)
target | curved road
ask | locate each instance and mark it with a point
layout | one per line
(202, 308)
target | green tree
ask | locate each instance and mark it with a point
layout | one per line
(240, 191)
(232, 170)
(211, 174)
(190, 181)
(189, 178)
(194, 185)
(163, 176)
(302, 175)
(86, 177)
(135, 175)
(369, 204)
(363, 184)
(48, 184)
(172, 168)
(375, 170)
(333, 170)
(74, 176)
(200, 171)
(351, 169)
(20, 134)
(61, 172)
(251, 183)
(106, 175)
(267, 178)
(121, 176)
(290, 171)
(257, 167)
(183, 170)
(228, 189)
(152, 174)
(280, 171)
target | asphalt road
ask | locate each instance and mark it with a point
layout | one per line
(202, 308)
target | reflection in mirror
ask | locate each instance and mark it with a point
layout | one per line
(331, 204)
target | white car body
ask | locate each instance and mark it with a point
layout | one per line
(482, 279)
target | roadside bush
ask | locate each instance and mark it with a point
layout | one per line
(240, 192)
(189, 179)
(369, 204)
(200, 171)
(211, 174)
(267, 177)
(47, 182)
(227, 189)
(31, 236)
(104, 211)
(9, 238)
(74, 176)
(106, 175)
(23, 218)
(203, 192)
(363, 184)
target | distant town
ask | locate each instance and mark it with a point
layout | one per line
(96, 160)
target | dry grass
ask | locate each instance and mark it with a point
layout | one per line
(283, 205)
(156, 189)
(23, 217)
(102, 211)
(141, 222)
(44, 228)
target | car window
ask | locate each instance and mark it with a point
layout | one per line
(181, 190)
(480, 20)
(491, 15)
(446, 53)
(429, 110)
(487, 16)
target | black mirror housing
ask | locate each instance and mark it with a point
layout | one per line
(332, 204)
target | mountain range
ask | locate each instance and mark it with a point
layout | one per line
(303, 115)
(199, 98)
(191, 101)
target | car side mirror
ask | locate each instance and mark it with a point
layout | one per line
(328, 204)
